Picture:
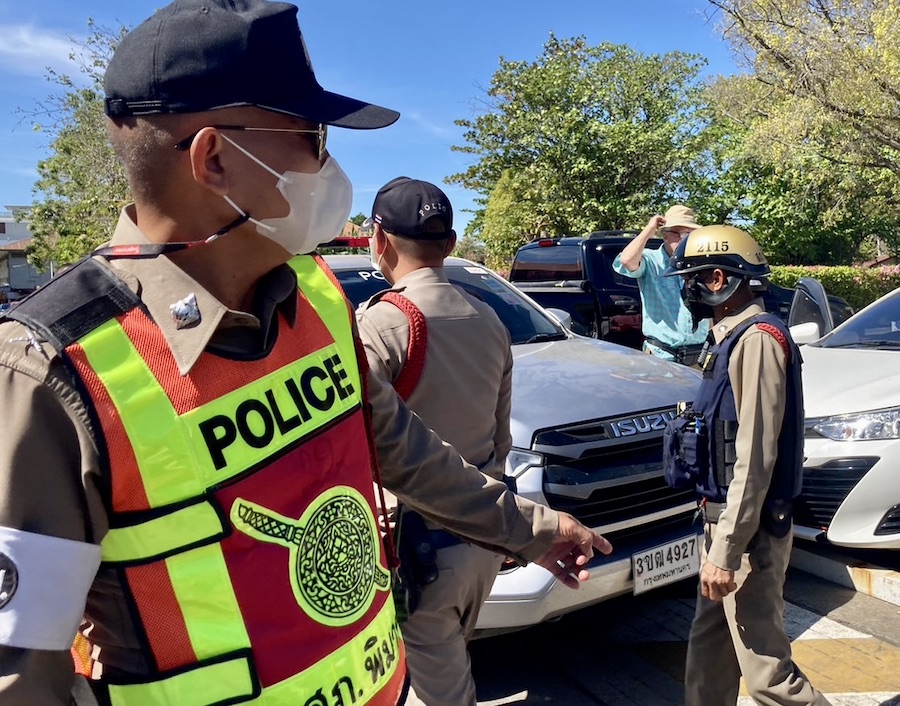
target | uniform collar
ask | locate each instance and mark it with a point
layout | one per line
(424, 275)
(723, 327)
(160, 283)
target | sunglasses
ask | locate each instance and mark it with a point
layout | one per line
(321, 132)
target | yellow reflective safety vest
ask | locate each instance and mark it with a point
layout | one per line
(242, 509)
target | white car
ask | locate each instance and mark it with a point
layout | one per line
(587, 421)
(851, 381)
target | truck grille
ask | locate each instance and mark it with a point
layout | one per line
(825, 487)
(621, 502)
(683, 522)
(609, 472)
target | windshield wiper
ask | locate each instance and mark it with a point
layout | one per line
(867, 344)
(544, 337)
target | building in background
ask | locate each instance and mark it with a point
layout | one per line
(17, 276)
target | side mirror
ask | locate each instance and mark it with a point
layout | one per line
(805, 333)
(564, 317)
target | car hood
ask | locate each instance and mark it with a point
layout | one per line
(844, 380)
(579, 379)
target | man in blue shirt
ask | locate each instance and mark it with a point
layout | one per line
(667, 324)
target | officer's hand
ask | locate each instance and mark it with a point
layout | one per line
(571, 549)
(716, 583)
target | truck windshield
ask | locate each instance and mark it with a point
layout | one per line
(544, 264)
(524, 321)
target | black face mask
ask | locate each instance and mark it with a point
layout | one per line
(692, 295)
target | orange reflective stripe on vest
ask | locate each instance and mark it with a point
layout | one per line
(243, 512)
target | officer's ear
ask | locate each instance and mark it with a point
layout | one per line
(451, 243)
(716, 280)
(208, 165)
(379, 240)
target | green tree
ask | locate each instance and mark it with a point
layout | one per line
(827, 74)
(81, 186)
(513, 216)
(803, 205)
(585, 137)
(817, 111)
(470, 248)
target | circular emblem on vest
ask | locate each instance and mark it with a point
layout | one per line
(9, 580)
(334, 552)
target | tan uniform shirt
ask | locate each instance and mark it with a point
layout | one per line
(758, 372)
(465, 388)
(52, 481)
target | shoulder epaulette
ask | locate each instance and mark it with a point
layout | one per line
(778, 335)
(75, 303)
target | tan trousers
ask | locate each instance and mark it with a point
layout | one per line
(744, 635)
(437, 632)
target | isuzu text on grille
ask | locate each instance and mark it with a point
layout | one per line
(640, 425)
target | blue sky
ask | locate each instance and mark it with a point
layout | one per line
(429, 61)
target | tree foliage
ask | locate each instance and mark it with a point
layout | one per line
(805, 210)
(470, 248)
(827, 75)
(816, 125)
(581, 139)
(81, 186)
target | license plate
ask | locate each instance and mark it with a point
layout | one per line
(666, 563)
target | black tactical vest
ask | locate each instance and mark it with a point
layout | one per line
(700, 442)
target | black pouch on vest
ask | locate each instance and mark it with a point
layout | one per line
(726, 453)
(684, 452)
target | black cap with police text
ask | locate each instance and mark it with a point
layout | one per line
(403, 205)
(197, 55)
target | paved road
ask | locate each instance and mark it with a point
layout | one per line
(631, 650)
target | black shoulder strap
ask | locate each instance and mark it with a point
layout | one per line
(75, 303)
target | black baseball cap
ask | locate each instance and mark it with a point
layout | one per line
(403, 205)
(197, 55)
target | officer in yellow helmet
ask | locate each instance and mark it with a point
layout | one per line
(739, 444)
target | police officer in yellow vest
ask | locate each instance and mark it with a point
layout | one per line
(190, 433)
(740, 445)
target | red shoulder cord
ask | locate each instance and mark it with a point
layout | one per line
(409, 376)
(779, 336)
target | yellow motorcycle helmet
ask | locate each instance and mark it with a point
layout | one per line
(724, 247)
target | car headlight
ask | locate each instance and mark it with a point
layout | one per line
(520, 460)
(877, 424)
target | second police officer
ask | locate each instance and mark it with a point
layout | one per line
(740, 445)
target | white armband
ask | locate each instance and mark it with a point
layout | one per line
(43, 586)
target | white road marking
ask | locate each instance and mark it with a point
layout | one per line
(882, 698)
(670, 621)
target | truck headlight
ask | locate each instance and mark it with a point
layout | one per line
(520, 460)
(877, 424)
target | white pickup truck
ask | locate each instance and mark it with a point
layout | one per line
(587, 421)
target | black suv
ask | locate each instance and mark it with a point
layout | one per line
(576, 275)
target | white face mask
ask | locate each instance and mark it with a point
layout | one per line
(319, 206)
